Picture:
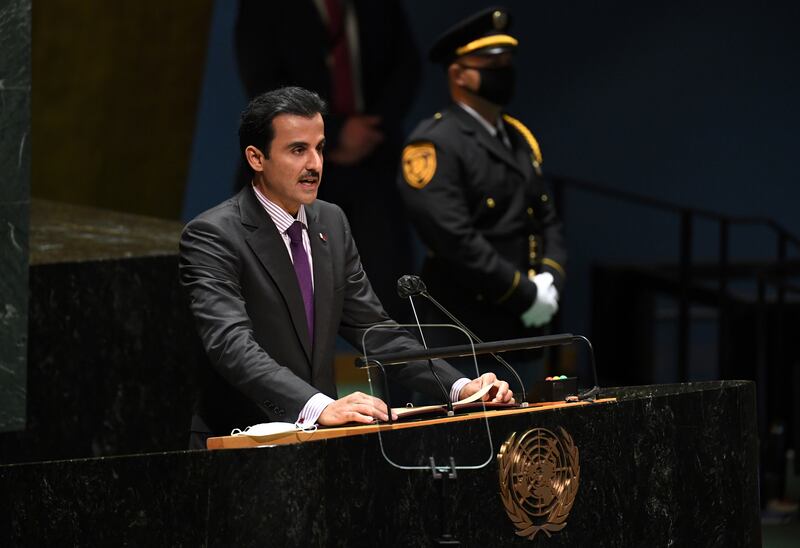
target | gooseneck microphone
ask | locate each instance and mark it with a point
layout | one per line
(409, 286)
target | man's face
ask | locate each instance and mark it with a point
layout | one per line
(293, 172)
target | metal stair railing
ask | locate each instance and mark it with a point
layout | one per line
(687, 217)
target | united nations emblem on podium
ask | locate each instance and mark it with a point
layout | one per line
(539, 476)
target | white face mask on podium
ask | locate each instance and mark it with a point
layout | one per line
(272, 428)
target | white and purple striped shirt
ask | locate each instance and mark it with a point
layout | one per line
(283, 221)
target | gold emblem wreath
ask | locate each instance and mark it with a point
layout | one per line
(539, 477)
(419, 164)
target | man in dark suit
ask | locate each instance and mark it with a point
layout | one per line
(273, 275)
(471, 179)
(360, 57)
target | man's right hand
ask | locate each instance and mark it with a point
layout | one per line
(356, 407)
(358, 137)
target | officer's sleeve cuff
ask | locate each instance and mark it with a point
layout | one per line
(556, 269)
(313, 409)
(519, 294)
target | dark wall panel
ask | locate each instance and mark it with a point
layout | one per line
(15, 90)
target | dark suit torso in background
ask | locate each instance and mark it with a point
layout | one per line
(287, 43)
(249, 312)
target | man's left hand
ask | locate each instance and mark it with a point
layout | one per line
(499, 392)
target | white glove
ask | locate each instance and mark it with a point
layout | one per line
(546, 303)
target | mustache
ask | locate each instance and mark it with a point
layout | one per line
(311, 174)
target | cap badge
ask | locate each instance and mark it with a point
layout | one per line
(499, 19)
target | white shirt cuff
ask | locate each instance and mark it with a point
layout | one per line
(313, 408)
(319, 401)
(456, 389)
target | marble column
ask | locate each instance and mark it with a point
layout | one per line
(15, 121)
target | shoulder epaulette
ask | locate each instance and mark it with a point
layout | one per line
(532, 142)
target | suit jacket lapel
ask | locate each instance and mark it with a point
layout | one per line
(269, 247)
(323, 283)
(492, 144)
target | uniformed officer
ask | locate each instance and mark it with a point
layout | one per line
(471, 179)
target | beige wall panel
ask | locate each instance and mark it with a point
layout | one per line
(115, 91)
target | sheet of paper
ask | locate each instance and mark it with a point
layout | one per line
(476, 396)
(422, 409)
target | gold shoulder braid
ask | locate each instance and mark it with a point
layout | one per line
(536, 152)
(419, 164)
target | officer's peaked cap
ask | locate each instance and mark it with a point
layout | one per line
(485, 32)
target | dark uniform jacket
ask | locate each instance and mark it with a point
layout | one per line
(486, 217)
(250, 315)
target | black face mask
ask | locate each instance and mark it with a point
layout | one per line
(497, 84)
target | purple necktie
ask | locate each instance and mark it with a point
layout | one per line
(303, 272)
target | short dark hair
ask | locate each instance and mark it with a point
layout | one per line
(255, 124)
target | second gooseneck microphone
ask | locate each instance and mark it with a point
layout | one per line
(410, 286)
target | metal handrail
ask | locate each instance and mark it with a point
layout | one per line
(685, 269)
(667, 205)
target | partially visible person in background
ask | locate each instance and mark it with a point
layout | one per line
(360, 57)
(471, 178)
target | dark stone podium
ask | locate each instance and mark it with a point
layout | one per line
(112, 348)
(662, 465)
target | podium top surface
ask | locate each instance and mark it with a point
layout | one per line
(606, 396)
(289, 438)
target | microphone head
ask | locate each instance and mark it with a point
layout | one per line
(410, 286)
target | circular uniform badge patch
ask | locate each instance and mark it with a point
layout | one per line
(419, 164)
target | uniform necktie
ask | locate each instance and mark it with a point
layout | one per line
(303, 272)
(502, 136)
